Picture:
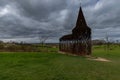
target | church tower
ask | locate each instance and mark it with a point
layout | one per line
(79, 42)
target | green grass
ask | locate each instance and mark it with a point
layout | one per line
(54, 66)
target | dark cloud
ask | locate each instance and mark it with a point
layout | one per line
(27, 20)
(41, 9)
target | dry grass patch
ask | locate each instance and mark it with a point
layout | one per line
(98, 59)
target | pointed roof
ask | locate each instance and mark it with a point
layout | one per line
(81, 24)
(81, 18)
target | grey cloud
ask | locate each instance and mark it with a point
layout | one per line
(26, 19)
(41, 9)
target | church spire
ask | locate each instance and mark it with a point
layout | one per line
(81, 19)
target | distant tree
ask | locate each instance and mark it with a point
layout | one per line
(1, 42)
(117, 41)
(1, 45)
(98, 42)
(43, 39)
(107, 42)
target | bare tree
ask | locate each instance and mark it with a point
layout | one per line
(107, 42)
(43, 39)
(117, 41)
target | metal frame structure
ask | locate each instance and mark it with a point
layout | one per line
(79, 42)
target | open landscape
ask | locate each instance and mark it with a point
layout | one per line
(55, 66)
(59, 40)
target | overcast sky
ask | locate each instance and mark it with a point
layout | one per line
(27, 20)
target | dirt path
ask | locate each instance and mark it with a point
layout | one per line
(98, 59)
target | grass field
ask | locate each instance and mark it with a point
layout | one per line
(54, 66)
